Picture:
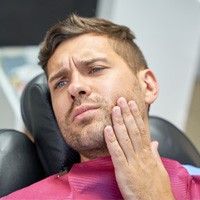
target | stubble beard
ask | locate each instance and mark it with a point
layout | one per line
(87, 136)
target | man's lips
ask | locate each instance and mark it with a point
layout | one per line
(82, 109)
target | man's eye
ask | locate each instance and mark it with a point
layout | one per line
(60, 84)
(95, 70)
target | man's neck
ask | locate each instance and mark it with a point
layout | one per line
(84, 158)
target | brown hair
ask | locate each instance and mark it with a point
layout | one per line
(120, 37)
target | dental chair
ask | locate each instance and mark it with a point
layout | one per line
(19, 163)
(50, 154)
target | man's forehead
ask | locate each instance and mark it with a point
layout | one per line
(65, 53)
(83, 63)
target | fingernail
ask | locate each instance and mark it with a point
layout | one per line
(109, 135)
(132, 104)
(122, 102)
(108, 129)
(117, 110)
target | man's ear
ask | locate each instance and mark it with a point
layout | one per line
(149, 85)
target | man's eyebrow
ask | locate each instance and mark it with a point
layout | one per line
(85, 63)
(58, 74)
(82, 63)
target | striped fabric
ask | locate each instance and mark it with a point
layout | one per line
(95, 179)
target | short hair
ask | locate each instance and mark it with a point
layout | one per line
(120, 37)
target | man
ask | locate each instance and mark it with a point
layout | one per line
(101, 90)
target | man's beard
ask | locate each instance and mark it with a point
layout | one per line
(87, 136)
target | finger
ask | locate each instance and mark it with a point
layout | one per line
(117, 155)
(121, 133)
(145, 136)
(154, 149)
(131, 126)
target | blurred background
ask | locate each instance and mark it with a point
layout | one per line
(167, 31)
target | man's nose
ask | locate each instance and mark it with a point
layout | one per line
(78, 86)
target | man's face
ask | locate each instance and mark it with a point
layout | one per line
(86, 77)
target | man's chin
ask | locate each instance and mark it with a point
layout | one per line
(83, 122)
(88, 131)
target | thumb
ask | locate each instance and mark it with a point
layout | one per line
(154, 150)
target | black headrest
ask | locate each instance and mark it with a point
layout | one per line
(173, 143)
(39, 119)
(19, 162)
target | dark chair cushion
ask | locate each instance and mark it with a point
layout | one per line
(19, 163)
(54, 153)
(173, 143)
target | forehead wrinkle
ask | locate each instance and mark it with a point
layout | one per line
(62, 68)
(61, 72)
(87, 62)
(56, 62)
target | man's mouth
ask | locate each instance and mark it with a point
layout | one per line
(82, 111)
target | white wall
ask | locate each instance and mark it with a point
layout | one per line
(168, 32)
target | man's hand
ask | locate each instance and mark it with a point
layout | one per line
(139, 171)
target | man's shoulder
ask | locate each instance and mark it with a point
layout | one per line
(171, 164)
(174, 168)
(46, 186)
(183, 184)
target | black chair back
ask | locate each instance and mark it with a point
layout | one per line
(19, 162)
(54, 153)
(173, 143)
